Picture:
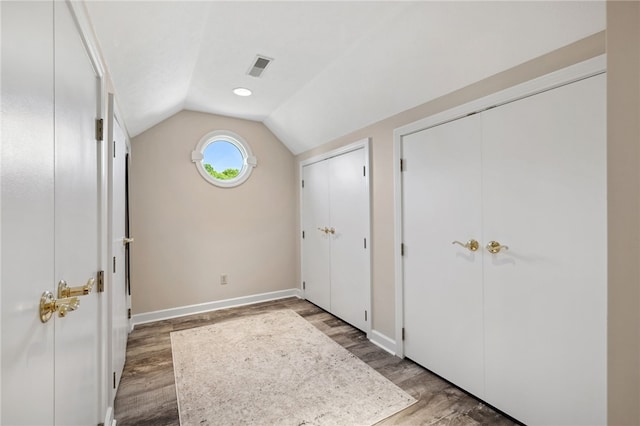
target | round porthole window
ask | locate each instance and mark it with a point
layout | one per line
(223, 158)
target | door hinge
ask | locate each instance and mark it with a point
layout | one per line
(100, 281)
(304, 285)
(114, 149)
(129, 313)
(364, 170)
(302, 234)
(402, 333)
(114, 379)
(365, 315)
(303, 183)
(99, 129)
(365, 243)
(402, 249)
(114, 264)
(402, 164)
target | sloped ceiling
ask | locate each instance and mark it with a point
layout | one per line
(338, 65)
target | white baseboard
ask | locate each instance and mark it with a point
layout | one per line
(213, 306)
(383, 341)
(108, 418)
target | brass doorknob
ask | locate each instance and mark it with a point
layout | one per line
(49, 305)
(127, 240)
(325, 230)
(495, 247)
(331, 230)
(471, 245)
(65, 291)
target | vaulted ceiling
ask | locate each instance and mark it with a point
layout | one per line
(338, 65)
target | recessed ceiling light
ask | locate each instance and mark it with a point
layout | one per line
(242, 91)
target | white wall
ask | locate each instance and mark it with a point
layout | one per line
(187, 231)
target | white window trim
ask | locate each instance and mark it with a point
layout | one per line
(249, 160)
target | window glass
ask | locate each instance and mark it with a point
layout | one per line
(222, 160)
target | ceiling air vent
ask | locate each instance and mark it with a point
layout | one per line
(259, 65)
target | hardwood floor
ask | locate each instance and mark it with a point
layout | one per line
(147, 394)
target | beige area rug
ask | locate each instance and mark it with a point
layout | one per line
(276, 369)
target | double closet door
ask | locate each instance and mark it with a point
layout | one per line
(335, 241)
(50, 219)
(523, 325)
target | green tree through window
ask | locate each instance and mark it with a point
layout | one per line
(224, 175)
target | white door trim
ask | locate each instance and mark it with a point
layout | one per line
(112, 117)
(549, 81)
(360, 144)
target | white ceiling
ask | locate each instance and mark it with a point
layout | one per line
(339, 65)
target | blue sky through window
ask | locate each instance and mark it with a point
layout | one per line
(222, 155)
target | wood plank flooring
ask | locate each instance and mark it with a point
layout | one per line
(147, 394)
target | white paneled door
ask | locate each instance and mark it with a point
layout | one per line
(441, 195)
(316, 247)
(349, 206)
(523, 325)
(50, 218)
(544, 185)
(117, 292)
(27, 172)
(335, 246)
(77, 225)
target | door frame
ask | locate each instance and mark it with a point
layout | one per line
(579, 71)
(113, 115)
(360, 144)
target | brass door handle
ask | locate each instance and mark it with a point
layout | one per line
(327, 230)
(471, 245)
(127, 240)
(495, 247)
(49, 305)
(65, 291)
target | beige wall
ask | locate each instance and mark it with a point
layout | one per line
(381, 134)
(187, 231)
(623, 174)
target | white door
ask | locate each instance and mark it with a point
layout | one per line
(50, 371)
(316, 272)
(117, 292)
(349, 212)
(441, 196)
(77, 225)
(335, 245)
(27, 221)
(544, 180)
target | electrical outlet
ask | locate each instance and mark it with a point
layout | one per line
(224, 279)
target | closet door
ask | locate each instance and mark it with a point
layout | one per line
(26, 206)
(544, 182)
(349, 210)
(441, 196)
(335, 245)
(77, 224)
(50, 370)
(316, 266)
